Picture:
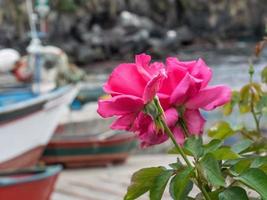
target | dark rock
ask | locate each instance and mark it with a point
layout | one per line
(184, 35)
(86, 54)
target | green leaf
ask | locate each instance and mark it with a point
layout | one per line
(221, 130)
(262, 104)
(242, 145)
(233, 193)
(255, 179)
(181, 185)
(250, 93)
(174, 150)
(142, 181)
(214, 195)
(228, 108)
(212, 170)
(159, 185)
(263, 168)
(264, 75)
(212, 145)
(241, 166)
(177, 165)
(194, 146)
(225, 153)
(258, 162)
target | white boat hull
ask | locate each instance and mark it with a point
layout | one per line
(31, 132)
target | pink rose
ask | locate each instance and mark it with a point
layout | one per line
(182, 90)
(148, 133)
(186, 88)
(132, 86)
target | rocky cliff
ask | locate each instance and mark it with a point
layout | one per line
(93, 30)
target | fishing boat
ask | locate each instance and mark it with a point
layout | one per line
(73, 151)
(90, 90)
(29, 113)
(28, 184)
(27, 122)
(85, 139)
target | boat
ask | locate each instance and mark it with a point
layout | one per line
(84, 139)
(90, 90)
(28, 184)
(27, 123)
(73, 151)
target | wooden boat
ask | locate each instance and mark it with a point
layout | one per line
(89, 151)
(31, 184)
(89, 91)
(85, 139)
(27, 122)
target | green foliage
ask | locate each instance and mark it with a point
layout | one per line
(233, 193)
(194, 145)
(250, 95)
(212, 145)
(259, 161)
(211, 170)
(240, 166)
(228, 108)
(255, 179)
(159, 185)
(242, 145)
(264, 75)
(181, 184)
(262, 104)
(142, 181)
(225, 153)
(221, 130)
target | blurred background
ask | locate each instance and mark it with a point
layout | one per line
(99, 30)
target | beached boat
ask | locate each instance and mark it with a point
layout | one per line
(90, 91)
(28, 184)
(85, 139)
(27, 123)
(75, 151)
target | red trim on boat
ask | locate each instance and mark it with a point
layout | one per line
(27, 159)
(36, 190)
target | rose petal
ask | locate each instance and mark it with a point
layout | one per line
(150, 137)
(175, 74)
(171, 116)
(179, 135)
(120, 105)
(125, 79)
(194, 121)
(152, 87)
(146, 69)
(142, 60)
(164, 100)
(187, 87)
(210, 97)
(146, 131)
(200, 71)
(124, 122)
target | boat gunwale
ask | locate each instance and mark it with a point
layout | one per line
(38, 99)
(48, 172)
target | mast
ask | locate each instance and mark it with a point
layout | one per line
(35, 47)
